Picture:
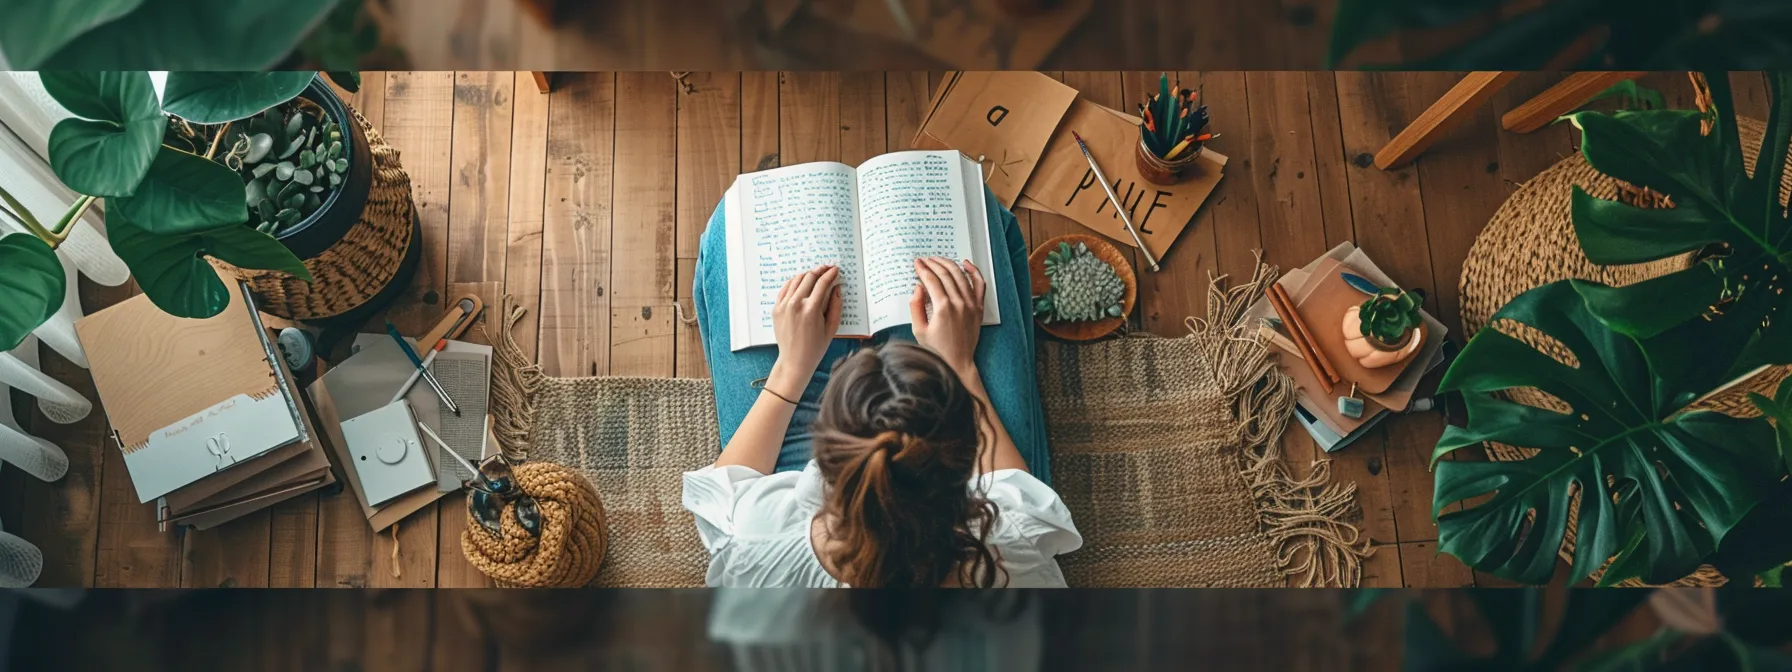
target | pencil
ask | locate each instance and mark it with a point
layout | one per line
(1300, 344)
(1125, 218)
(1303, 335)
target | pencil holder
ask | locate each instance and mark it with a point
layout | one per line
(1159, 171)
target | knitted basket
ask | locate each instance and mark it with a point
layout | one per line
(573, 535)
(1530, 242)
(360, 265)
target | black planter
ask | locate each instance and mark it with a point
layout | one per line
(342, 206)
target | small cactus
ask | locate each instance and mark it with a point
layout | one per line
(1390, 313)
(1084, 288)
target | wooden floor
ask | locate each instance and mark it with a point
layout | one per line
(587, 205)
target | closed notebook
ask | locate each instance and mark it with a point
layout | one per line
(188, 398)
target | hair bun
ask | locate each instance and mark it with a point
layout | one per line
(889, 441)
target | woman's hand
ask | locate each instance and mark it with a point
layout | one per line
(956, 292)
(805, 319)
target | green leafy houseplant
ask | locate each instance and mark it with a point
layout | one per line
(185, 34)
(1084, 288)
(179, 179)
(1616, 34)
(1390, 314)
(1662, 488)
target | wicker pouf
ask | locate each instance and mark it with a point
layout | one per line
(1530, 242)
(361, 265)
(573, 537)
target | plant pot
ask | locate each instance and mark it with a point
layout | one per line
(1158, 171)
(1372, 352)
(357, 244)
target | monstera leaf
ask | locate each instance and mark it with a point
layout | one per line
(106, 149)
(1716, 205)
(1660, 486)
(184, 35)
(217, 97)
(32, 285)
(171, 268)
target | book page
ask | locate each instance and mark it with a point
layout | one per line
(790, 221)
(911, 205)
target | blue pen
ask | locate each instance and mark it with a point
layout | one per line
(421, 369)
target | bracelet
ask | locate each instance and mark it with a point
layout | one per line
(780, 396)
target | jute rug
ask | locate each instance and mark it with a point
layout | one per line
(1164, 449)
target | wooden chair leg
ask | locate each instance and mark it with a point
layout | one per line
(541, 81)
(1572, 92)
(1446, 114)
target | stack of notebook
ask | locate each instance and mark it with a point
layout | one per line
(1321, 297)
(208, 417)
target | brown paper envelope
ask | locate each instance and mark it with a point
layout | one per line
(1005, 117)
(973, 35)
(384, 515)
(1063, 183)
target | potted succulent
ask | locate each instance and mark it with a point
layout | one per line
(1387, 329)
(1640, 461)
(1172, 130)
(1085, 287)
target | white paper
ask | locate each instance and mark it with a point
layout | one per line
(231, 432)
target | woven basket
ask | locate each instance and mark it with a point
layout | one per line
(359, 266)
(1530, 242)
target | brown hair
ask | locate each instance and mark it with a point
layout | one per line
(897, 442)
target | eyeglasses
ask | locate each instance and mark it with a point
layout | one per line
(496, 486)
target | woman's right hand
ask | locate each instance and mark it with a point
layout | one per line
(955, 290)
(805, 319)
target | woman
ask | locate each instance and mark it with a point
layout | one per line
(880, 464)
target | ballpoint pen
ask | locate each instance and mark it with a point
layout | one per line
(1114, 198)
(418, 362)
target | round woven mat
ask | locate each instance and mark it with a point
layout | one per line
(354, 269)
(1530, 242)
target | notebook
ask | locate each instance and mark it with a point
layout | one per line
(872, 221)
(189, 398)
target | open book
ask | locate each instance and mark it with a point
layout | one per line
(872, 221)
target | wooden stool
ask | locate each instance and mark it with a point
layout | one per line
(1462, 100)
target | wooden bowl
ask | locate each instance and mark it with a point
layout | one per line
(1103, 250)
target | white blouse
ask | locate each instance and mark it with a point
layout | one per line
(756, 527)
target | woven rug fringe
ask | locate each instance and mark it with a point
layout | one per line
(514, 382)
(1305, 517)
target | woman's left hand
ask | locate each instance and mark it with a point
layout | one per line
(805, 319)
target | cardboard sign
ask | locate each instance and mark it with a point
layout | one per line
(1006, 118)
(1063, 182)
(973, 35)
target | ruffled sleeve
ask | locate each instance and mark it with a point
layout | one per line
(1035, 525)
(733, 501)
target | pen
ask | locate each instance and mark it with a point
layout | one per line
(418, 362)
(1115, 199)
(412, 381)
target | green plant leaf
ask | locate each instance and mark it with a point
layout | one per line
(1587, 615)
(194, 35)
(1632, 656)
(107, 152)
(1362, 21)
(1614, 233)
(35, 29)
(217, 97)
(1654, 305)
(172, 269)
(1641, 463)
(32, 286)
(349, 80)
(183, 193)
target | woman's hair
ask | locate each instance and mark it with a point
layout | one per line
(897, 442)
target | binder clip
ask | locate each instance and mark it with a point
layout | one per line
(1350, 406)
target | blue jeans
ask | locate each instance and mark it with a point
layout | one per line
(1004, 351)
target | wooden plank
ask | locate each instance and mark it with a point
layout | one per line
(232, 555)
(709, 158)
(292, 542)
(575, 265)
(478, 247)
(1440, 118)
(906, 95)
(761, 98)
(1233, 204)
(862, 117)
(1522, 157)
(644, 271)
(808, 117)
(528, 197)
(420, 124)
(398, 626)
(64, 519)
(1424, 567)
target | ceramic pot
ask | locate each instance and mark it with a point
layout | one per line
(1371, 352)
(1159, 171)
